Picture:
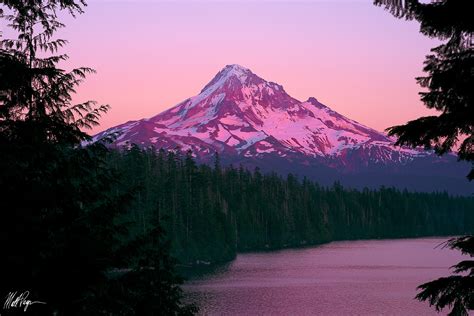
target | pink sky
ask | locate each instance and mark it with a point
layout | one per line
(150, 55)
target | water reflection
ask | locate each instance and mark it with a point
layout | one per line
(342, 278)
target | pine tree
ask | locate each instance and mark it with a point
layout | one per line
(61, 234)
(456, 291)
(449, 89)
(449, 79)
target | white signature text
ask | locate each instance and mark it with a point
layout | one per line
(15, 300)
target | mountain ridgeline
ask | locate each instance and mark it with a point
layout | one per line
(254, 122)
(211, 212)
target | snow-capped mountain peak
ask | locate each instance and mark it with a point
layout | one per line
(239, 113)
(254, 122)
(236, 71)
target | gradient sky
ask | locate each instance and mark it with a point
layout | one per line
(150, 55)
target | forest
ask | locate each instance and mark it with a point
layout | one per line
(88, 231)
(212, 212)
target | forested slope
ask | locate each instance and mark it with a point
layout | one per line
(211, 213)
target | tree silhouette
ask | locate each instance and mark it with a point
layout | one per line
(449, 79)
(456, 290)
(449, 89)
(61, 230)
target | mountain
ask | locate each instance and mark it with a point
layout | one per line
(254, 122)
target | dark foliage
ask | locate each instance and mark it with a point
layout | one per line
(456, 291)
(211, 213)
(449, 79)
(150, 287)
(62, 232)
(449, 89)
(41, 8)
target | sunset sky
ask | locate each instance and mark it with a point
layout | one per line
(150, 55)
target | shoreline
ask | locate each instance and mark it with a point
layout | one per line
(193, 271)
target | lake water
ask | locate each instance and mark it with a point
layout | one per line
(370, 277)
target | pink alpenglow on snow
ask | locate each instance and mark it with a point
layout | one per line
(252, 121)
(239, 112)
(349, 53)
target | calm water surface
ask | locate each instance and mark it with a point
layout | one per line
(341, 278)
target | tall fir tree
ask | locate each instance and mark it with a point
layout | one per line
(448, 89)
(60, 229)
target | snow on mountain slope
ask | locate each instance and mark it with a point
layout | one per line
(239, 113)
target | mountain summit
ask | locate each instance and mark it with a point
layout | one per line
(237, 111)
(253, 121)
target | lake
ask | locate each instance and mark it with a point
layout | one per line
(370, 277)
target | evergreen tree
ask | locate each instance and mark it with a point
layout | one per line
(251, 211)
(61, 227)
(449, 79)
(449, 89)
(456, 291)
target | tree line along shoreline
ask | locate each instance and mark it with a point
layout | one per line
(211, 213)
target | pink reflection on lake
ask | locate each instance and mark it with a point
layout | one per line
(372, 277)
